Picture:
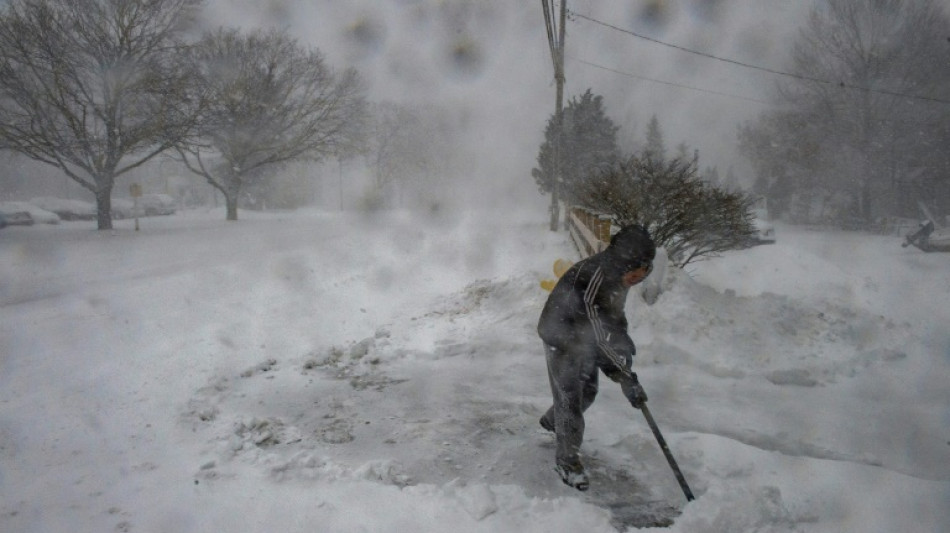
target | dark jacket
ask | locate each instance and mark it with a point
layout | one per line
(585, 310)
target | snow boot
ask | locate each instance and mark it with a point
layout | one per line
(546, 424)
(573, 476)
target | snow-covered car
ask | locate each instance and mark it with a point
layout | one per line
(146, 206)
(66, 209)
(156, 204)
(764, 230)
(123, 208)
(26, 214)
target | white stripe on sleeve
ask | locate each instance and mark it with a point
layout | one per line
(600, 334)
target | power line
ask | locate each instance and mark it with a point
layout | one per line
(671, 84)
(800, 77)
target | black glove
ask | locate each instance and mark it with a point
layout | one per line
(621, 345)
(633, 390)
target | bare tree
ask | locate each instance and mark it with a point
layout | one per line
(867, 106)
(397, 147)
(885, 49)
(93, 87)
(266, 102)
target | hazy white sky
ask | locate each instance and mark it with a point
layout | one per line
(488, 63)
(491, 58)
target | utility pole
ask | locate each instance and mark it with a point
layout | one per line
(556, 43)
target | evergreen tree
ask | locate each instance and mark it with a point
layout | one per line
(655, 147)
(711, 176)
(682, 151)
(588, 144)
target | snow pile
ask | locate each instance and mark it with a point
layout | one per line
(324, 371)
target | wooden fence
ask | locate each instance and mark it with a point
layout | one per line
(590, 232)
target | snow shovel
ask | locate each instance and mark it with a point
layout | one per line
(666, 452)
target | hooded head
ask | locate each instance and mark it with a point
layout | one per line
(630, 248)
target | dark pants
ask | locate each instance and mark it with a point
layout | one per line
(573, 377)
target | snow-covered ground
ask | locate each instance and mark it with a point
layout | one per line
(317, 371)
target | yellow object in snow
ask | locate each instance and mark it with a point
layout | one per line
(560, 267)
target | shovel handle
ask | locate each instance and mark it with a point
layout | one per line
(667, 453)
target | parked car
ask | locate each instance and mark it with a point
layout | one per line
(157, 204)
(66, 209)
(26, 214)
(122, 208)
(764, 231)
(18, 218)
(146, 206)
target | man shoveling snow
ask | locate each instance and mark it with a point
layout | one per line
(584, 329)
